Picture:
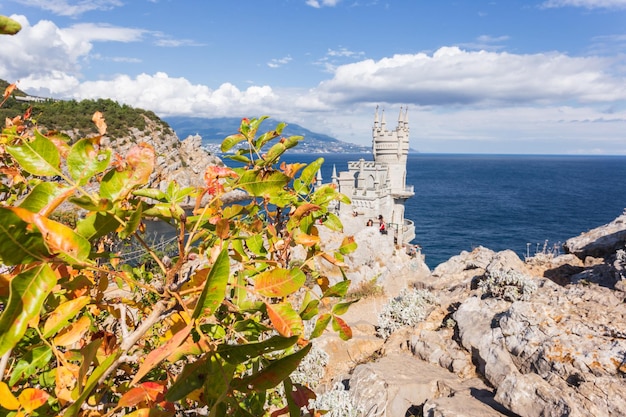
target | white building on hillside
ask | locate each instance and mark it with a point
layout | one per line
(379, 187)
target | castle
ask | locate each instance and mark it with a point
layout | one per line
(379, 187)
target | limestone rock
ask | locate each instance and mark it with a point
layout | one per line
(181, 161)
(599, 241)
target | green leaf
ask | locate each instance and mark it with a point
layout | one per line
(29, 364)
(333, 222)
(28, 291)
(87, 159)
(341, 308)
(279, 282)
(273, 374)
(190, 379)
(18, 242)
(132, 224)
(320, 325)
(237, 354)
(292, 141)
(214, 289)
(256, 245)
(310, 309)
(39, 156)
(217, 383)
(152, 193)
(96, 225)
(230, 141)
(238, 158)
(92, 382)
(272, 154)
(115, 184)
(89, 204)
(308, 176)
(262, 139)
(262, 183)
(340, 289)
(43, 195)
(348, 245)
(9, 26)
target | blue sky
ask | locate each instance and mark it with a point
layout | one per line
(539, 77)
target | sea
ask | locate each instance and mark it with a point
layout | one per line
(526, 203)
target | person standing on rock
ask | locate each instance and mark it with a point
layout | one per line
(382, 228)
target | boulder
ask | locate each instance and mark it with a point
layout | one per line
(600, 241)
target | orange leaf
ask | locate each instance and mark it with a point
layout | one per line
(63, 313)
(303, 210)
(307, 240)
(7, 399)
(151, 412)
(98, 119)
(32, 398)
(285, 319)
(162, 352)
(145, 392)
(73, 333)
(9, 90)
(65, 380)
(222, 228)
(279, 282)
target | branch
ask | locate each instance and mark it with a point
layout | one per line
(160, 311)
(4, 362)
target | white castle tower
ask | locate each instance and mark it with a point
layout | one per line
(379, 187)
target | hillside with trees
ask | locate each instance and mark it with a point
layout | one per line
(75, 116)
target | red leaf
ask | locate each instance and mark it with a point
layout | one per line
(339, 325)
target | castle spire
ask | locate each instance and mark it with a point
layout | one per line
(383, 123)
(376, 118)
(334, 176)
(400, 118)
(319, 178)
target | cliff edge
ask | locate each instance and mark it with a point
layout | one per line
(499, 336)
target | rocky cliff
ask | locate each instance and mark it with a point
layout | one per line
(499, 336)
(181, 161)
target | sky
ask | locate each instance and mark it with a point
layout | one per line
(497, 76)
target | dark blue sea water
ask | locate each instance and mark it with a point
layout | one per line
(502, 202)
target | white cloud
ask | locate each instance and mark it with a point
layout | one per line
(588, 4)
(44, 53)
(279, 62)
(71, 8)
(91, 32)
(451, 76)
(324, 3)
(166, 95)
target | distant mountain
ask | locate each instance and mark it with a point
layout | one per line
(214, 130)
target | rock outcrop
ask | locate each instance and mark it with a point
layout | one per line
(181, 161)
(542, 337)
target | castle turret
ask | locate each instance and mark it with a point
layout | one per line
(392, 148)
